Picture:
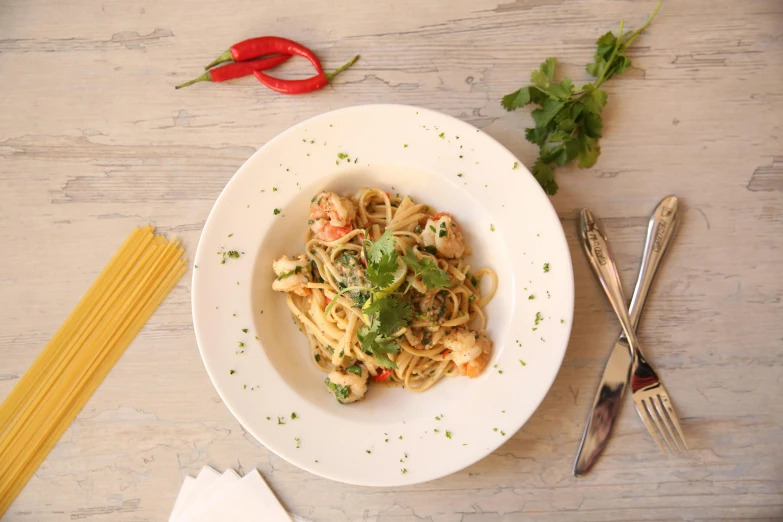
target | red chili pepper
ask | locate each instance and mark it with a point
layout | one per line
(328, 301)
(445, 353)
(263, 45)
(237, 70)
(382, 376)
(319, 81)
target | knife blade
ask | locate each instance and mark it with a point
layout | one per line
(608, 398)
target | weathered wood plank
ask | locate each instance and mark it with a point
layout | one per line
(94, 140)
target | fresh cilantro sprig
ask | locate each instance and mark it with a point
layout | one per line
(381, 273)
(373, 343)
(431, 275)
(387, 314)
(384, 246)
(568, 121)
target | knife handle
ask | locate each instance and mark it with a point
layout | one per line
(663, 224)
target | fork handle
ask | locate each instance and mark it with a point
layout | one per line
(663, 224)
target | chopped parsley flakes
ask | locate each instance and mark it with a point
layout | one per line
(231, 254)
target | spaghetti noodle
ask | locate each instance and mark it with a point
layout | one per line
(82, 352)
(342, 302)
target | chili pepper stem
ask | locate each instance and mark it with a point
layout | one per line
(330, 76)
(225, 57)
(206, 77)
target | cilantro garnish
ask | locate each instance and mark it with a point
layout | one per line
(381, 273)
(390, 313)
(568, 120)
(355, 369)
(375, 344)
(376, 250)
(431, 275)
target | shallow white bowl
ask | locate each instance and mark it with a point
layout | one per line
(264, 375)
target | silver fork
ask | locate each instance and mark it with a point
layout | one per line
(649, 395)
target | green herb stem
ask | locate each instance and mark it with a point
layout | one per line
(341, 292)
(608, 67)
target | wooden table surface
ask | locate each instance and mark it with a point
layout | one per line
(94, 140)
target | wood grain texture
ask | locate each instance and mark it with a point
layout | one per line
(94, 140)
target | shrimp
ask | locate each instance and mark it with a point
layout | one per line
(442, 232)
(470, 350)
(347, 387)
(292, 275)
(331, 217)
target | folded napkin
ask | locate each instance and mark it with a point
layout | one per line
(215, 497)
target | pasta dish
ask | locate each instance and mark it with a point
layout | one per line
(384, 294)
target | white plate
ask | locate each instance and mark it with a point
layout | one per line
(438, 160)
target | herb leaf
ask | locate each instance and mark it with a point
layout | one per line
(390, 313)
(377, 345)
(382, 247)
(381, 273)
(431, 275)
(568, 123)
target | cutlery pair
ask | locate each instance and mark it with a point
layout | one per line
(626, 361)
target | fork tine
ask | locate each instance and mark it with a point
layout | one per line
(642, 410)
(664, 398)
(654, 416)
(661, 413)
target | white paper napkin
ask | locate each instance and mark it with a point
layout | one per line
(198, 488)
(212, 497)
(184, 492)
(216, 491)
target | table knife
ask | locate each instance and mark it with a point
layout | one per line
(608, 398)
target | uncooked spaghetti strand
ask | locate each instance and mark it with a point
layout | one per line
(65, 421)
(51, 353)
(47, 399)
(79, 372)
(71, 346)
